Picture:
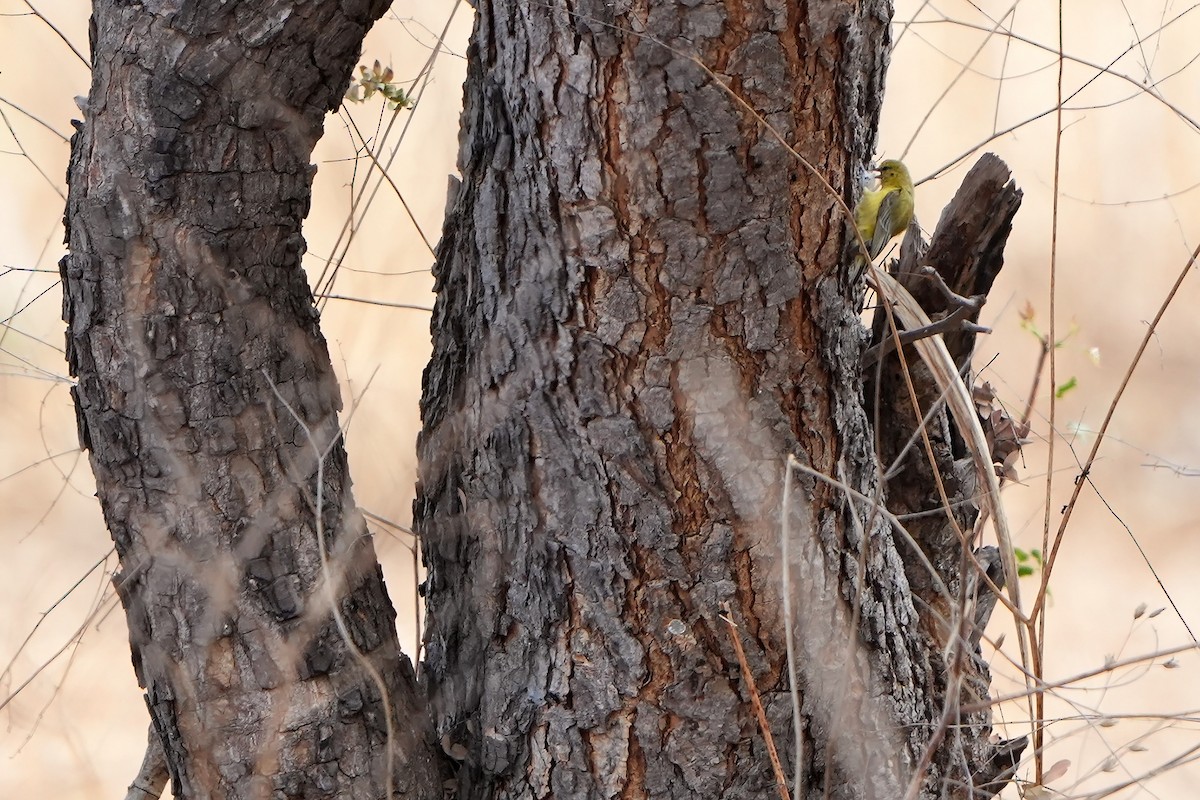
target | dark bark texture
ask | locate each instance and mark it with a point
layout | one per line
(191, 332)
(641, 311)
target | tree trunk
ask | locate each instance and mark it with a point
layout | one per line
(205, 393)
(642, 309)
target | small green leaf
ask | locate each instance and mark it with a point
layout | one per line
(1071, 383)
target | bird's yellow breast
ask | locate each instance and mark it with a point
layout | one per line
(867, 211)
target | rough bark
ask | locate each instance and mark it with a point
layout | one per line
(640, 312)
(201, 373)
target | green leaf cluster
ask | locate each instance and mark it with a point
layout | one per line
(378, 79)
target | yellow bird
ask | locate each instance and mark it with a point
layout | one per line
(885, 212)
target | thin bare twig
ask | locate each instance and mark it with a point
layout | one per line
(60, 34)
(756, 703)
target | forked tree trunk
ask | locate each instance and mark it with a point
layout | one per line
(205, 391)
(642, 309)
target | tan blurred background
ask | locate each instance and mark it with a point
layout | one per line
(1128, 201)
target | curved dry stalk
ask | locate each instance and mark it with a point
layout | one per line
(962, 408)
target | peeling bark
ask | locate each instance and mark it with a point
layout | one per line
(153, 775)
(201, 371)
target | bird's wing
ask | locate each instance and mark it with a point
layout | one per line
(884, 221)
